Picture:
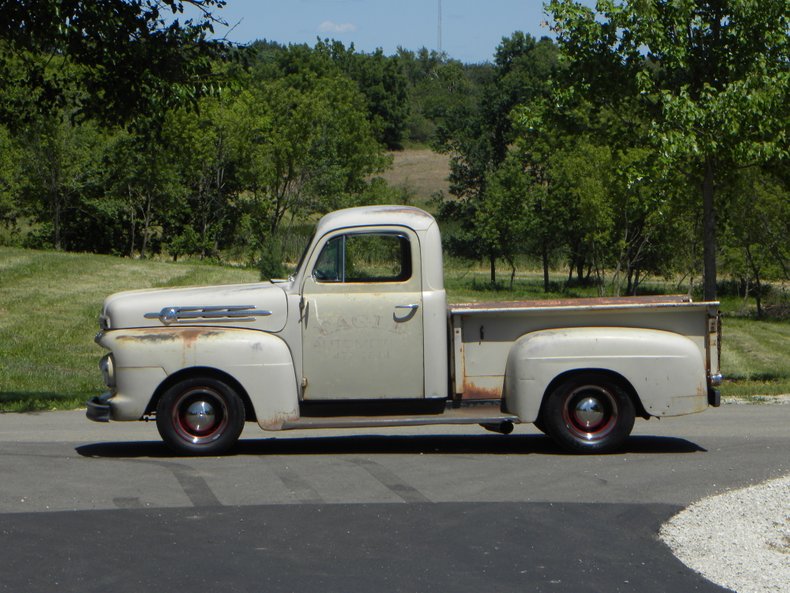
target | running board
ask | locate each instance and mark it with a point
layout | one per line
(490, 416)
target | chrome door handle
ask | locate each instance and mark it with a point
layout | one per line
(412, 307)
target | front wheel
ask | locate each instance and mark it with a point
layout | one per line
(588, 413)
(200, 416)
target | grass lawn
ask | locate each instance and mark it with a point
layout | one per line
(49, 307)
(49, 304)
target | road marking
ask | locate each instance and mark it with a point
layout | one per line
(299, 487)
(393, 482)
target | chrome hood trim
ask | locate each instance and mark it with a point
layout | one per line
(261, 306)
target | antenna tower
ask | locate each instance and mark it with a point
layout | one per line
(440, 27)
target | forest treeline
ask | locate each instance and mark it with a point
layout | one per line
(644, 138)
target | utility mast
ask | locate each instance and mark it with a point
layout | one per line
(440, 27)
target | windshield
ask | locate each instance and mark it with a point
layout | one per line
(303, 256)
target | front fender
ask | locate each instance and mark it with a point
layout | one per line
(665, 369)
(260, 362)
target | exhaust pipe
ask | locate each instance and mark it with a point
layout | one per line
(504, 427)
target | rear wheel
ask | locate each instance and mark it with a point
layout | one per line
(588, 413)
(200, 416)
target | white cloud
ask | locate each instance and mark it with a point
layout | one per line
(332, 27)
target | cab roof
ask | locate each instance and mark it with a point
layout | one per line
(408, 216)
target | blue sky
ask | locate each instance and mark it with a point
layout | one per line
(471, 29)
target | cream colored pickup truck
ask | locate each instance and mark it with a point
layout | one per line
(361, 336)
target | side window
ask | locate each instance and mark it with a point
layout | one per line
(365, 257)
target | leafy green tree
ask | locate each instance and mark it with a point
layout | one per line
(478, 134)
(382, 81)
(111, 59)
(9, 177)
(712, 77)
(208, 165)
(756, 244)
(579, 186)
(309, 146)
(145, 183)
(508, 218)
(57, 163)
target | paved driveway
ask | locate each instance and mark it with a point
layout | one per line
(87, 507)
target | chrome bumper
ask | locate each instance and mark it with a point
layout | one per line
(98, 408)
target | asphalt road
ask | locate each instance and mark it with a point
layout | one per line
(105, 507)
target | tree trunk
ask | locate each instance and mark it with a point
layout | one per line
(512, 273)
(492, 261)
(146, 226)
(758, 293)
(545, 256)
(709, 232)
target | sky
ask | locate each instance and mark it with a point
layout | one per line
(470, 32)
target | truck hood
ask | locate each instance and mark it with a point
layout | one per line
(262, 306)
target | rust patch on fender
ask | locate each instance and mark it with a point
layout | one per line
(276, 420)
(187, 335)
(472, 391)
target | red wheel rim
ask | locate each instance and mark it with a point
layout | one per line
(200, 415)
(590, 412)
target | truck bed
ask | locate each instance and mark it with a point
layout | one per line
(483, 333)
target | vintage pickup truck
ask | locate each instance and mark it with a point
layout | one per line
(361, 336)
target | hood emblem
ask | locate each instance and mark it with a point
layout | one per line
(169, 315)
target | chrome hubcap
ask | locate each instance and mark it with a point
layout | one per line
(589, 412)
(200, 417)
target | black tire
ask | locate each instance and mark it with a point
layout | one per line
(200, 416)
(588, 413)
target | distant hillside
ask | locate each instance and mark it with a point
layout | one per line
(420, 171)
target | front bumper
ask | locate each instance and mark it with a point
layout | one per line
(714, 397)
(98, 408)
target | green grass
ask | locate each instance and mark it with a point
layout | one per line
(755, 357)
(49, 304)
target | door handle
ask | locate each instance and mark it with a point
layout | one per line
(412, 307)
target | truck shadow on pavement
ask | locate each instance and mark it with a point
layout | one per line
(532, 444)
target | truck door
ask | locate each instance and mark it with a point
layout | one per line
(362, 322)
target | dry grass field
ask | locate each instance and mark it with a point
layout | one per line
(419, 171)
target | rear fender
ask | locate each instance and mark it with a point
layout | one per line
(666, 370)
(261, 363)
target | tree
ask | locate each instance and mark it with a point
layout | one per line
(478, 134)
(382, 81)
(208, 162)
(309, 146)
(579, 200)
(9, 177)
(712, 76)
(144, 181)
(57, 162)
(111, 59)
(509, 217)
(756, 231)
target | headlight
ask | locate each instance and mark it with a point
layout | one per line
(107, 367)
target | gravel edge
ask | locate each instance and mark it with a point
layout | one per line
(739, 539)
